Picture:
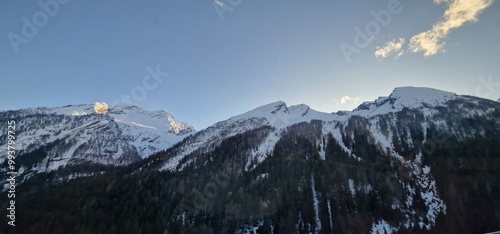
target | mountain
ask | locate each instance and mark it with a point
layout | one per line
(419, 160)
(278, 116)
(48, 139)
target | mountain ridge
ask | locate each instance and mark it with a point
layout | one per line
(407, 162)
(48, 139)
(280, 116)
(163, 131)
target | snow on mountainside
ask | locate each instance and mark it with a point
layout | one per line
(401, 163)
(406, 97)
(276, 115)
(279, 116)
(127, 114)
(401, 128)
(75, 134)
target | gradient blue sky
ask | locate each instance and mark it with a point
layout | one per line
(260, 52)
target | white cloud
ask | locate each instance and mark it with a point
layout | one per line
(433, 41)
(101, 108)
(346, 99)
(458, 13)
(390, 47)
(218, 2)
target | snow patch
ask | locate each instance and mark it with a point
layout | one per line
(352, 187)
(316, 206)
(330, 217)
(382, 227)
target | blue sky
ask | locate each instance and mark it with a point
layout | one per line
(224, 62)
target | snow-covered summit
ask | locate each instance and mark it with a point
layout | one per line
(132, 115)
(263, 111)
(160, 120)
(76, 134)
(276, 115)
(414, 97)
(279, 115)
(405, 97)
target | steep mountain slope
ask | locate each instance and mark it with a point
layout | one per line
(277, 115)
(418, 161)
(50, 138)
(404, 129)
(426, 101)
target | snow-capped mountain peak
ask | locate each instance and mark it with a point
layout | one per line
(413, 97)
(127, 114)
(405, 97)
(160, 120)
(276, 115)
(76, 134)
(279, 115)
(263, 111)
